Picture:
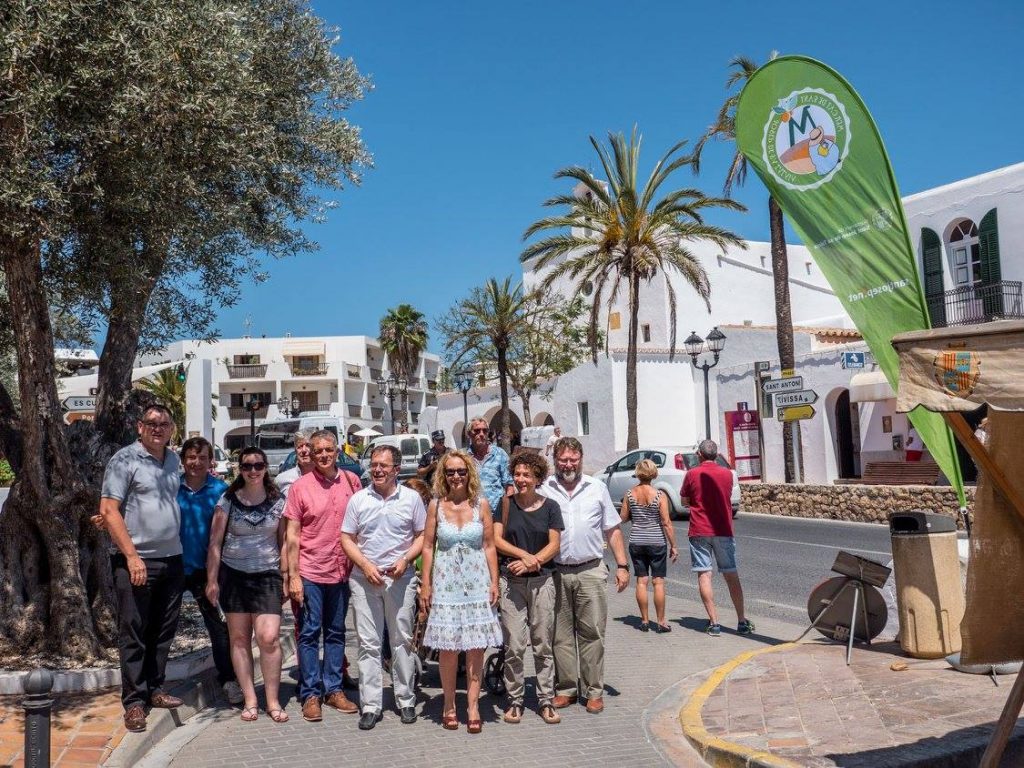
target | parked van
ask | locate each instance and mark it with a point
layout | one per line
(536, 438)
(274, 438)
(411, 445)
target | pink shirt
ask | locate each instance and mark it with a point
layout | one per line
(319, 506)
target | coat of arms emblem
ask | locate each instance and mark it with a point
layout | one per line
(957, 372)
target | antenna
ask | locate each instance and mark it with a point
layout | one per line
(248, 326)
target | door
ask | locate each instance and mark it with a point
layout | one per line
(845, 463)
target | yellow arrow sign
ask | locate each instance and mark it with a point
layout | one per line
(796, 413)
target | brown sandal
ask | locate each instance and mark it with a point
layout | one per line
(513, 714)
(549, 716)
(450, 722)
(278, 715)
(474, 726)
(250, 714)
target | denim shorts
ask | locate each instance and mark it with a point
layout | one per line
(723, 547)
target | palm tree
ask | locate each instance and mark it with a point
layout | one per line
(403, 337)
(724, 129)
(621, 234)
(169, 390)
(483, 326)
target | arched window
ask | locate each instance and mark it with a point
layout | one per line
(965, 253)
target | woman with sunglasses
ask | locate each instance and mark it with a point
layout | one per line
(245, 550)
(459, 584)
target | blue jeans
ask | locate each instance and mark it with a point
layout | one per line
(323, 611)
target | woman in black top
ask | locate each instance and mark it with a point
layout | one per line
(527, 538)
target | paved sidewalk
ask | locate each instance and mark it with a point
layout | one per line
(85, 728)
(804, 705)
(648, 677)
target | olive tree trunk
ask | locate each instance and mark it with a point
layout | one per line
(783, 321)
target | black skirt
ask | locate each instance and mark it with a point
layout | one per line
(241, 592)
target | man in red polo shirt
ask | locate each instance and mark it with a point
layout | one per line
(707, 490)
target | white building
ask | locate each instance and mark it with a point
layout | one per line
(970, 241)
(334, 375)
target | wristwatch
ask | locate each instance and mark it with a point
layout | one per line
(622, 567)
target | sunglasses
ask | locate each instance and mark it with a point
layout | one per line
(256, 466)
(454, 472)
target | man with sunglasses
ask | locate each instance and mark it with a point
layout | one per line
(318, 572)
(383, 535)
(491, 464)
(139, 506)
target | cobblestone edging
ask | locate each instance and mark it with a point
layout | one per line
(854, 503)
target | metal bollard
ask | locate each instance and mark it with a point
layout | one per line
(37, 705)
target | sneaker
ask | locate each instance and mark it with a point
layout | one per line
(745, 627)
(233, 692)
(715, 630)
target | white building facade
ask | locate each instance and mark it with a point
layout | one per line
(970, 244)
(333, 375)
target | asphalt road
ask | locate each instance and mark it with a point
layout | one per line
(781, 559)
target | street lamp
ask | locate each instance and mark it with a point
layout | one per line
(464, 383)
(252, 406)
(390, 386)
(695, 345)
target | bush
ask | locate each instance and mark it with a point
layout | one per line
(6, 473)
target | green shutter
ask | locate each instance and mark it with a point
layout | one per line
(991, 272)
(934, 290)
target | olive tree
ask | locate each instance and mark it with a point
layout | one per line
(151, 154)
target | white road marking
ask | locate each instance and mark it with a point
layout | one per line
(746, 599)
(808, 544)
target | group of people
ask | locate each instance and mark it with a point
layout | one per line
(482, 530)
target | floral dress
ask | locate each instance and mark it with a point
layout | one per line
(461, 615)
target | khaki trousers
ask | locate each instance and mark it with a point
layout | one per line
(581, 612)
(528, 618)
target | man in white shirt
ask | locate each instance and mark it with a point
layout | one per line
(303, 462)
(581, 597)
(555, 437)
(382, 534)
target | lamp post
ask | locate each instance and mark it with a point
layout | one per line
(464, 383)
(252, 406)
(390, 386)
(695, 346)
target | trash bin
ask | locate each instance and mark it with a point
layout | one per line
(929, 595)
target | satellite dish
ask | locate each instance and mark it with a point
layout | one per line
(830, 607)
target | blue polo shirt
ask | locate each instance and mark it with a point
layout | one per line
(196, 513)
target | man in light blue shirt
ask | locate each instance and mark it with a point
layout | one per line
(491, 464)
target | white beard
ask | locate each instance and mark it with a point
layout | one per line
(568, 477)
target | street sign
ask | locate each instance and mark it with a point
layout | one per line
(76, 403)
(72, 416)
(796, 413)
(791, 384)
(803, 397)
(853, 360)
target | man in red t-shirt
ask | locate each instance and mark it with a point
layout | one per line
(707, 490)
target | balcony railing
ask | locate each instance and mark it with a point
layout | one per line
(376, 413)
(316, 408)
(257, 371)
(353, 371)
(241, 412)
(355, 411)
(375, 373)
(309, 369)
(971, 304)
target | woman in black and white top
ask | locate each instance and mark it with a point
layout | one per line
(652, 541)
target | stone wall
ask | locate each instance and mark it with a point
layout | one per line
(857, 503)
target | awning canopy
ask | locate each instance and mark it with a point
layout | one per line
(84, 386)
(870, 387)
(959, 369)
(303, 348)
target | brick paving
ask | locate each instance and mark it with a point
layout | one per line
(806, 705)
(638, 727)
(85, 728)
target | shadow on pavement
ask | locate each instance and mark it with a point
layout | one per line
(700, 625)
(962, 748)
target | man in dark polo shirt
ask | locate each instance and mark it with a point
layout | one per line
(707, 490)
(139, 506)
(428, 461)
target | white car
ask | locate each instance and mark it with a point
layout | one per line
(221, 463)
(673, 463)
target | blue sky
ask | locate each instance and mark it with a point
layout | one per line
(476, 104)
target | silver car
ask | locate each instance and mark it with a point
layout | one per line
(672, 463)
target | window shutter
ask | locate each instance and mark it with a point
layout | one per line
(991, 272)
(934, 290)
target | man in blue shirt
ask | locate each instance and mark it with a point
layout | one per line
(491, 464)
(197, 497)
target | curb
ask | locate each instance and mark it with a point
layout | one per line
(717, 751)
(198, 694)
